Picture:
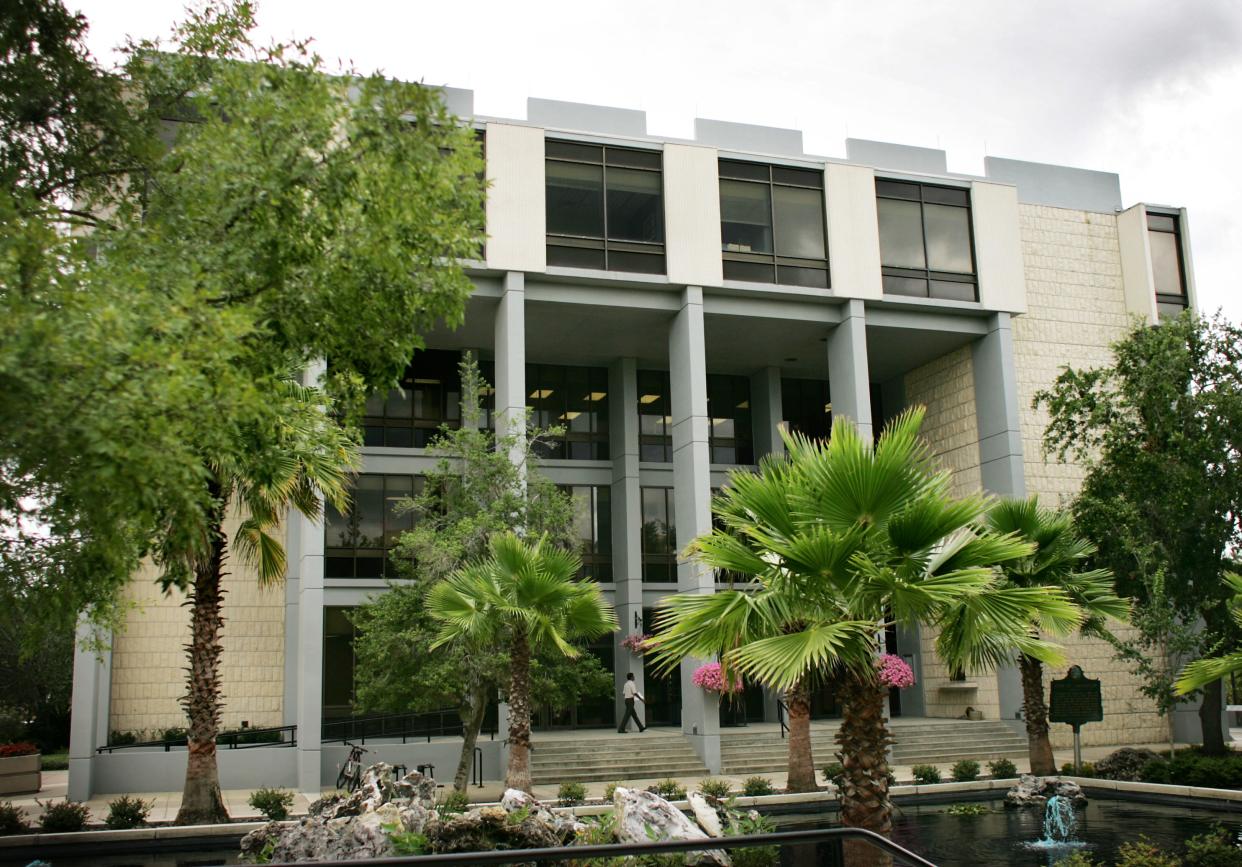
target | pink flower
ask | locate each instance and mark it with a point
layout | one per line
(710, 677)
(894, 671)
(635, 643)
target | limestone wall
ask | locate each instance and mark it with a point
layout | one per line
(148, 656)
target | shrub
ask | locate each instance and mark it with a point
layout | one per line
(750, 822)
(454, 802)
(176, 734)
(965, 771)
(968, 810)
(609, 790)
(1213, 849)
(1002, 769)
(9, 751)
(1124, 764)
(714, 788)
(570, 794)
(1087, 770)
(54, 762)
(833, 771)
(12, 820)
(121, 739)
(1192, 769)
(925, 775)
(1078, 859)
(60, 816)
(1143, 853)
(12, 726)
(126, 812)
(272, 803)
(669, 790)
(756, 786)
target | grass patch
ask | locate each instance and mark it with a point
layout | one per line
(54, 761)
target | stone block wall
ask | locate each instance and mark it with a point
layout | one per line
(148, 656)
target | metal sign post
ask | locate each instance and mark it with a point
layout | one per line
(1076, 699)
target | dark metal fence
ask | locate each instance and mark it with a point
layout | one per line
(242, 739)
(403, 726)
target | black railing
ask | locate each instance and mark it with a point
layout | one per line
(242, 739)
(824, 847)
(781, 710)
(403, 726)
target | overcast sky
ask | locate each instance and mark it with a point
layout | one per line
(1149, 89)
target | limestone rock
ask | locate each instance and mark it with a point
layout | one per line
(1124, 764)
(644, 817)
(491, 828)
(705, 814)
(1035, 791)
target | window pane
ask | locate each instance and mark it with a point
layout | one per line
(369, 511)
(1168, 310)
(953, 290)
(399, 404)
(896, 189)
(1162, 222)
(799, 222)
(638, 263)
(603, 520)
(817, 277)
(625, 157)
(575, 257)
(946, 196)
(656, 531)
(913, 286)
(635, 211)
(753, 171)
(948, 239)
(745, 217)
(573, 151)
(901, 234)
(1165, 266)
(799, 177)
(755, 272)
(575, 199)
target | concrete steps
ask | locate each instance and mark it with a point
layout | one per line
(604, 757)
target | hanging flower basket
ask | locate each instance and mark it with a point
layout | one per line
(635, 643)
(894, 671)
(710, 677)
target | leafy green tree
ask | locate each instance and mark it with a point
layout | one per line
(525, 598)
(840, 540)
(476, 493)
(1059, 560)
(36, 673)
(1202, 672)
(1159, 431)
(256, 214)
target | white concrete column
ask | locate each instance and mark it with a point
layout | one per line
(849, 379)
(627, 520)
(700, 711)
(1000, 454)
(91, 705)
(511, 359)
(766, 411)
(309, 557)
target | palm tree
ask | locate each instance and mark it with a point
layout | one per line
(523, 597)
(292, 454)
(839, 540)
(1058, 560)
(1203, 672)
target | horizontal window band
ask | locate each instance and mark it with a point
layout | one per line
(769, 259)
(1165, 298)
(948, 276)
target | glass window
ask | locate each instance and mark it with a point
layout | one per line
(356, 542)
(806, 407)
(575, 398)
(772, 224)
(728, 410)
(429, 397)
(1165, 239)
(338, 663)
(593, 528)
(659, 542)
(655, 422)
(926, 247)
(605, 207)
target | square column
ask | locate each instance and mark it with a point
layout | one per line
(1000, 454)
(511, 358)
(700, 710)
(627, 521)
(309, 558)
(766, 411)
(91, 705)
(849, 378)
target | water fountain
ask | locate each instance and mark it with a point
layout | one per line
(1059, 826)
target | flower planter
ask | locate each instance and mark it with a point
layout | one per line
(20, 775)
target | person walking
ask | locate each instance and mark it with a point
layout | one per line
(630, 692)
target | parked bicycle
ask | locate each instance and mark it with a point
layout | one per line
(350, 777)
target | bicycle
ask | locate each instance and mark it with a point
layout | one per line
(350, 777)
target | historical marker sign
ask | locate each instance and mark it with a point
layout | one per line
(1076, 699)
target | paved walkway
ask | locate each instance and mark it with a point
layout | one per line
(55, 785)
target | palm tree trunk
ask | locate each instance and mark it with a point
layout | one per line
(1039, 747)
(472, 721)
(801, 761)
(518, 774)
(201, 802)
(1209, 720)
(864, 740)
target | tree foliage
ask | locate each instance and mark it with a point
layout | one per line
(1160, 433)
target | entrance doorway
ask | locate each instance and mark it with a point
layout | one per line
(593, 712)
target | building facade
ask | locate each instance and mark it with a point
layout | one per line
(671, 303)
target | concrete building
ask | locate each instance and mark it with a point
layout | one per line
(672, 302)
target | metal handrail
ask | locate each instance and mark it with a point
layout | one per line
(781, 710)
(618, 850)
(445, 722)
(233, 740)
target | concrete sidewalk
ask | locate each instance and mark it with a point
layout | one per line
(166, 804)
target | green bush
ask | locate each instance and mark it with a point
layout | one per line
(272, 803)
(669, 790)
(61, 816)
(713, 787)
(833, 771)
(121, 739)
(1002, 769)
(12, 820)
(453, 802)
(742, 824)
(756, 786)
(12, 726)
(925, 775)
(1143, 853)
(54, 761)
(1078, 859)
(570, 794)
(965, 771)
(126, 812)
(1087, 770)
(1192, 769)
(1216, 848)
(609, 790)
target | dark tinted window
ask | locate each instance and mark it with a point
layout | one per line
(659, 540)
(655, 423)
(1165, 239)
(593, 529)
(728, 411)
(926, 246)
(772, 224)
(573, 398)
(357, 541)
(428, 397)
